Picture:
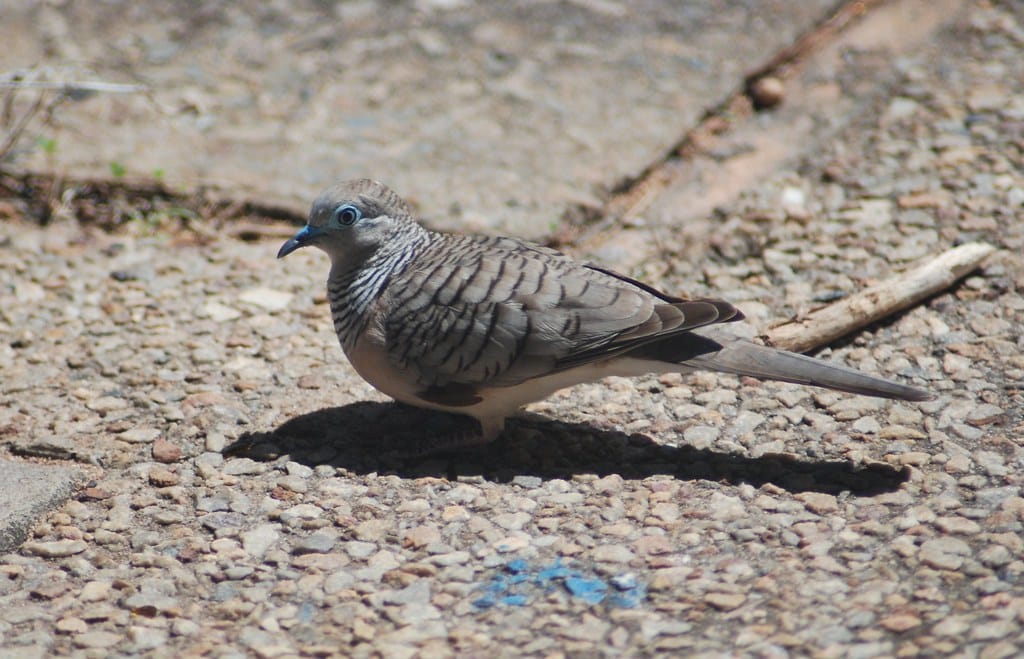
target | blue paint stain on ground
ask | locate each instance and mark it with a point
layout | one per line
(519, 583)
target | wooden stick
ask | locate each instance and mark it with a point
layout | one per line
(827, 324)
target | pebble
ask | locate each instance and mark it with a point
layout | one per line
(319, 543)
(141, 435)
(55, 548)
(266, 298)
(357, 549)
(613, 554)
(100, 640)
(944, 553)
(258, 540)
(165, 451)
(162, 477)
(450, 558)
(220, 313)
(900, 622)
(818, 502)
(725, 601)
(421, 536)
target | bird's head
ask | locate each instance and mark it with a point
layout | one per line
(350, 221)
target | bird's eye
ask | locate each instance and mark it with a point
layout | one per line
(347, 214)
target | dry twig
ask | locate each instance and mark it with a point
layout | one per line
(824, 325)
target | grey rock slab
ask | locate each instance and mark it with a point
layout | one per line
(503, 113)
(26, 492)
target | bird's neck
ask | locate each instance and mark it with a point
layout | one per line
(352, 288)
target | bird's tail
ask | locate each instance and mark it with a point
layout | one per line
(693, 350)
(741, 357)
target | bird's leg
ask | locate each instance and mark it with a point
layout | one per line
(490, 429)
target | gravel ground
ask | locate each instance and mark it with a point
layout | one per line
(245, 500)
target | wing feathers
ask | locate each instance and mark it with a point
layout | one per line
(496, 312)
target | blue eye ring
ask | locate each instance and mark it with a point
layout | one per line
(347, 214)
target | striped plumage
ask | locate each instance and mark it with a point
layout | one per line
(482, 325)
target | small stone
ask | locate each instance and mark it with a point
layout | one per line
(767, 92)
(993, 629)
(700, 436)
(143, 603)
(957, 524)
(318, 543)
(266, 298)
(338, 581)
(613, 554)
(257, 541)
(528, 482)
(222, 521)
(219, 312)
(418, 592)
(372, 530)
(311, 381)
(900, 432)
(455, 514)
(55, 548)
(512, 521)
(105, 404)
(725, 601)
(71, 625)
(867, 424)
(818, 502)
(357, 549)
(139, 435)
(298, 469)
(162, 477)
(218, 503)
(611, 484)
(666, 511)
(147, 637)
(239, 572)
(653, 545)
(302, 511)
(451, 558)
(900, 622)
(292, 483)
(995, 556)
(97, 639)
(362, 630)
(166, 452)
(944, 553)
(95, 591)
(215, 442)
(421, 536)
(900, 108)
(243, 467)
(952, 626)
(988, 98)
(511, 543)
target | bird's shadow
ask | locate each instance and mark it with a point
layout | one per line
(369, 437)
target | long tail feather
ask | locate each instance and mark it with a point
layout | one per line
(745, 358)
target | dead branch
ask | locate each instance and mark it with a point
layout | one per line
(824, 325)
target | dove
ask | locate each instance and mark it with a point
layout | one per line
(482, 325)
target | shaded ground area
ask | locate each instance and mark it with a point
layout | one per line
(370, 437)
(244, 493)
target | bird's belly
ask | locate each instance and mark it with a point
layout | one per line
(370, 360)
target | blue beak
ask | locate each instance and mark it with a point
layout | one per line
(305, 236)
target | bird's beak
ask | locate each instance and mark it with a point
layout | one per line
(305, 236)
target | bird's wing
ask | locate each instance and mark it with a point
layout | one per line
(496, 312)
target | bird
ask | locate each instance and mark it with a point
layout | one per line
(482, 325)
